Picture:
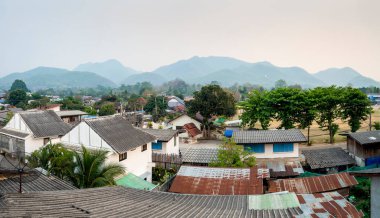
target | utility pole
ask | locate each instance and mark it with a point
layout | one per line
(370, 121)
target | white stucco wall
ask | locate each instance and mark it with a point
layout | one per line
(137, 162)
(184, 119)
(169, 147)
(270, 154)
(17, 123)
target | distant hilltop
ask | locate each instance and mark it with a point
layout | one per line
(196, 70)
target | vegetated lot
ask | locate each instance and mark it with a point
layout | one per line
(318, 136)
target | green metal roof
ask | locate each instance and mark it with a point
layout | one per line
(273, 201)
(133, 181)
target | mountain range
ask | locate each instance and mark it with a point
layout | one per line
(196, 70)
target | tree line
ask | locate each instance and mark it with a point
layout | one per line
(300, 108)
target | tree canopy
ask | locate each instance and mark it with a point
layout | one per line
(19, 85)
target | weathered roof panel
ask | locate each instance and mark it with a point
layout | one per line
(281, 168)
(45, 123)
(268, 136)
(199, 155)
(192, 129)
(327, 157)
(132, 181)
(273, 201)
(15, 133)
(119, 133)
(311, 185)
(70, 113)
(364, 138)
(164, 135)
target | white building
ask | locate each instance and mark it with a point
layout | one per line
(182, 120)
(271, 143)
(30, 130)
(130, 147)
(167, 141)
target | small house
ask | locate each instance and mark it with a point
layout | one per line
(175, 102)
(127, 145)
(270, 143)
(30, 130)
(180, 121)
(167, 141)
(365, 147)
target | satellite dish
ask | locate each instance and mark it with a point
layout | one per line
(14, 166)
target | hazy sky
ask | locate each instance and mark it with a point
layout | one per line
(142, 34)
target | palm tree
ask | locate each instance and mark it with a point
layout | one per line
(89, 169)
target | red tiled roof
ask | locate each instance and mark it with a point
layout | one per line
(311, 185)
(206, 181)
(191, 129)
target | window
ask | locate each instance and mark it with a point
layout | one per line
(284, 147)
(144, 148)
(157, 146)
(256, 148)
(122, 156)
(46, 140)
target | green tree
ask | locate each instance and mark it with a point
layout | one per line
(280, 84)
(17, 98)
(156, 106)
(90, 110)
(209, 101)
(284, 102)
(8, 117)
(328, 101)
(355, 107)
(306, 111)
(19, 85)
(72, 103)
(90, 170)
(376, 125)
(107, 109)
(256, 108)
(232, 155)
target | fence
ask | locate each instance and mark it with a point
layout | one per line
(167, 161)
(165, 186)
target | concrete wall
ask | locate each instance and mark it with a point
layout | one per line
(270, 154)
(17, 123)
(375, 196)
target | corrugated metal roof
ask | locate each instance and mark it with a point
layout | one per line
(368, 172)
(311, 185)
(119, 133)
(125, 202)
(268, 136)
(218, 181)
(369, 137)
(327, 157)
(199, 155)
(330, 204)
(282, 169)
(164, 135)
(191, 129)
(132, 181)
(45, 123)
(17, 134)
(273, 201)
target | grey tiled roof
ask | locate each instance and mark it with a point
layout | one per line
(125, 202)
(199, 155)
(14, 133)
(119, 133)
(370, 137)
(161, 134)
(45, 123)
(328, 157)
(269, 136)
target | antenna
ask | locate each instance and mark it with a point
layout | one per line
(15, 167)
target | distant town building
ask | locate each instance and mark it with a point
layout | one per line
(365, 147)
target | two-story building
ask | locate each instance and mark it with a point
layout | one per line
(127, 145)
(270, 143)
(30, 130)
(167, 141)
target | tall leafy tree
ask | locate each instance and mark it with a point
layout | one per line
(328, 107)
(156, 106)
(256, 109)
(90, 170)
(306, 111)
(355, 107)
(18, 98)
(107, 109)
(209, 101)
(19, 85)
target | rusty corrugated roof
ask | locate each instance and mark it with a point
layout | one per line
(311, 185)
(191, 129)
(219, 181)
(282, 169)
(330, 204)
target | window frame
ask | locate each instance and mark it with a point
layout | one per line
(285, 147)
(144, 147)
(155, 144)
(123, 156)
(252, 150)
